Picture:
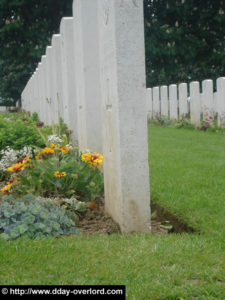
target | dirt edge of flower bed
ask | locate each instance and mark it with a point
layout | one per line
(96, 221)
(178, 225)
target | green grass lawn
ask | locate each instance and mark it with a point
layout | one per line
(187, 170)
(187, 177)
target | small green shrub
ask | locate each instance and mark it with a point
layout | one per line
(34, 117)
(185, 124)
(16, 134)
(20, 129)
(34, 218)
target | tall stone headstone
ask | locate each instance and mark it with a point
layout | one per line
(57, 77)
(123, 89)
(207, 101)
(49, 116)
(79, 76)
(195, 106)
(183, 103)
(149, 103)
(87, 66)
(35, 93)
(156, 103)
(164, 102)
(173, 102)
(40, 89)
(221, 101)
(68, 79)
(43, 79)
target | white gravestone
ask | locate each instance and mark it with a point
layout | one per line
(79, 76)
(35, 92)
(221, 101)
(40, 89)
(207, 101)
(123, 85)
(149, 103)
(49, 111)
(195, 106)
(43, 78)
(68, 79)
(85, 16)
(57, 76)
(183, 102)
(156, 102)
(173, 102)
(164, 102)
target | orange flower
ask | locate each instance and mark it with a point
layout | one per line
(59, 174)
(16, 167)
(37, 157)
(94, 159)
(6, 189)
(64, 149)
(47, 151)
(26, 160)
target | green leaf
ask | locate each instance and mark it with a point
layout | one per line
(29, 219)
(29, 197)
(22, 228)
(44, 215)
(40, 226)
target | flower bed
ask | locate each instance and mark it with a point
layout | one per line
(55, 180)
(57, 171)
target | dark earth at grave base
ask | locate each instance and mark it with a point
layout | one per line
(96, 221)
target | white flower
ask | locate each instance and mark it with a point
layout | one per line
(10, 156)
(25, 152)
(54, 139)
(70, 146)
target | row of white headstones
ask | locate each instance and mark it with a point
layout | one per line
(173, 102)
(93, 76)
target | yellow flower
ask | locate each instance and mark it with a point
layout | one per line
(64, 149)
(47, 151)
(52, 146)
(16, 167)
(6, 189)
(37, 157)
(26, 160)
(59, 174)
(94, 159)
(85, 157)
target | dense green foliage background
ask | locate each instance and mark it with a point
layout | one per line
(26, 27)
(185, 39)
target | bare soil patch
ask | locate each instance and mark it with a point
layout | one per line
(162, 215)
(96, 221)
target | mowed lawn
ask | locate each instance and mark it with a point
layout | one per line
(187, 170)
(187, 177)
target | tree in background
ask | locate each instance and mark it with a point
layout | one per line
(185, 40)
(26, 27)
